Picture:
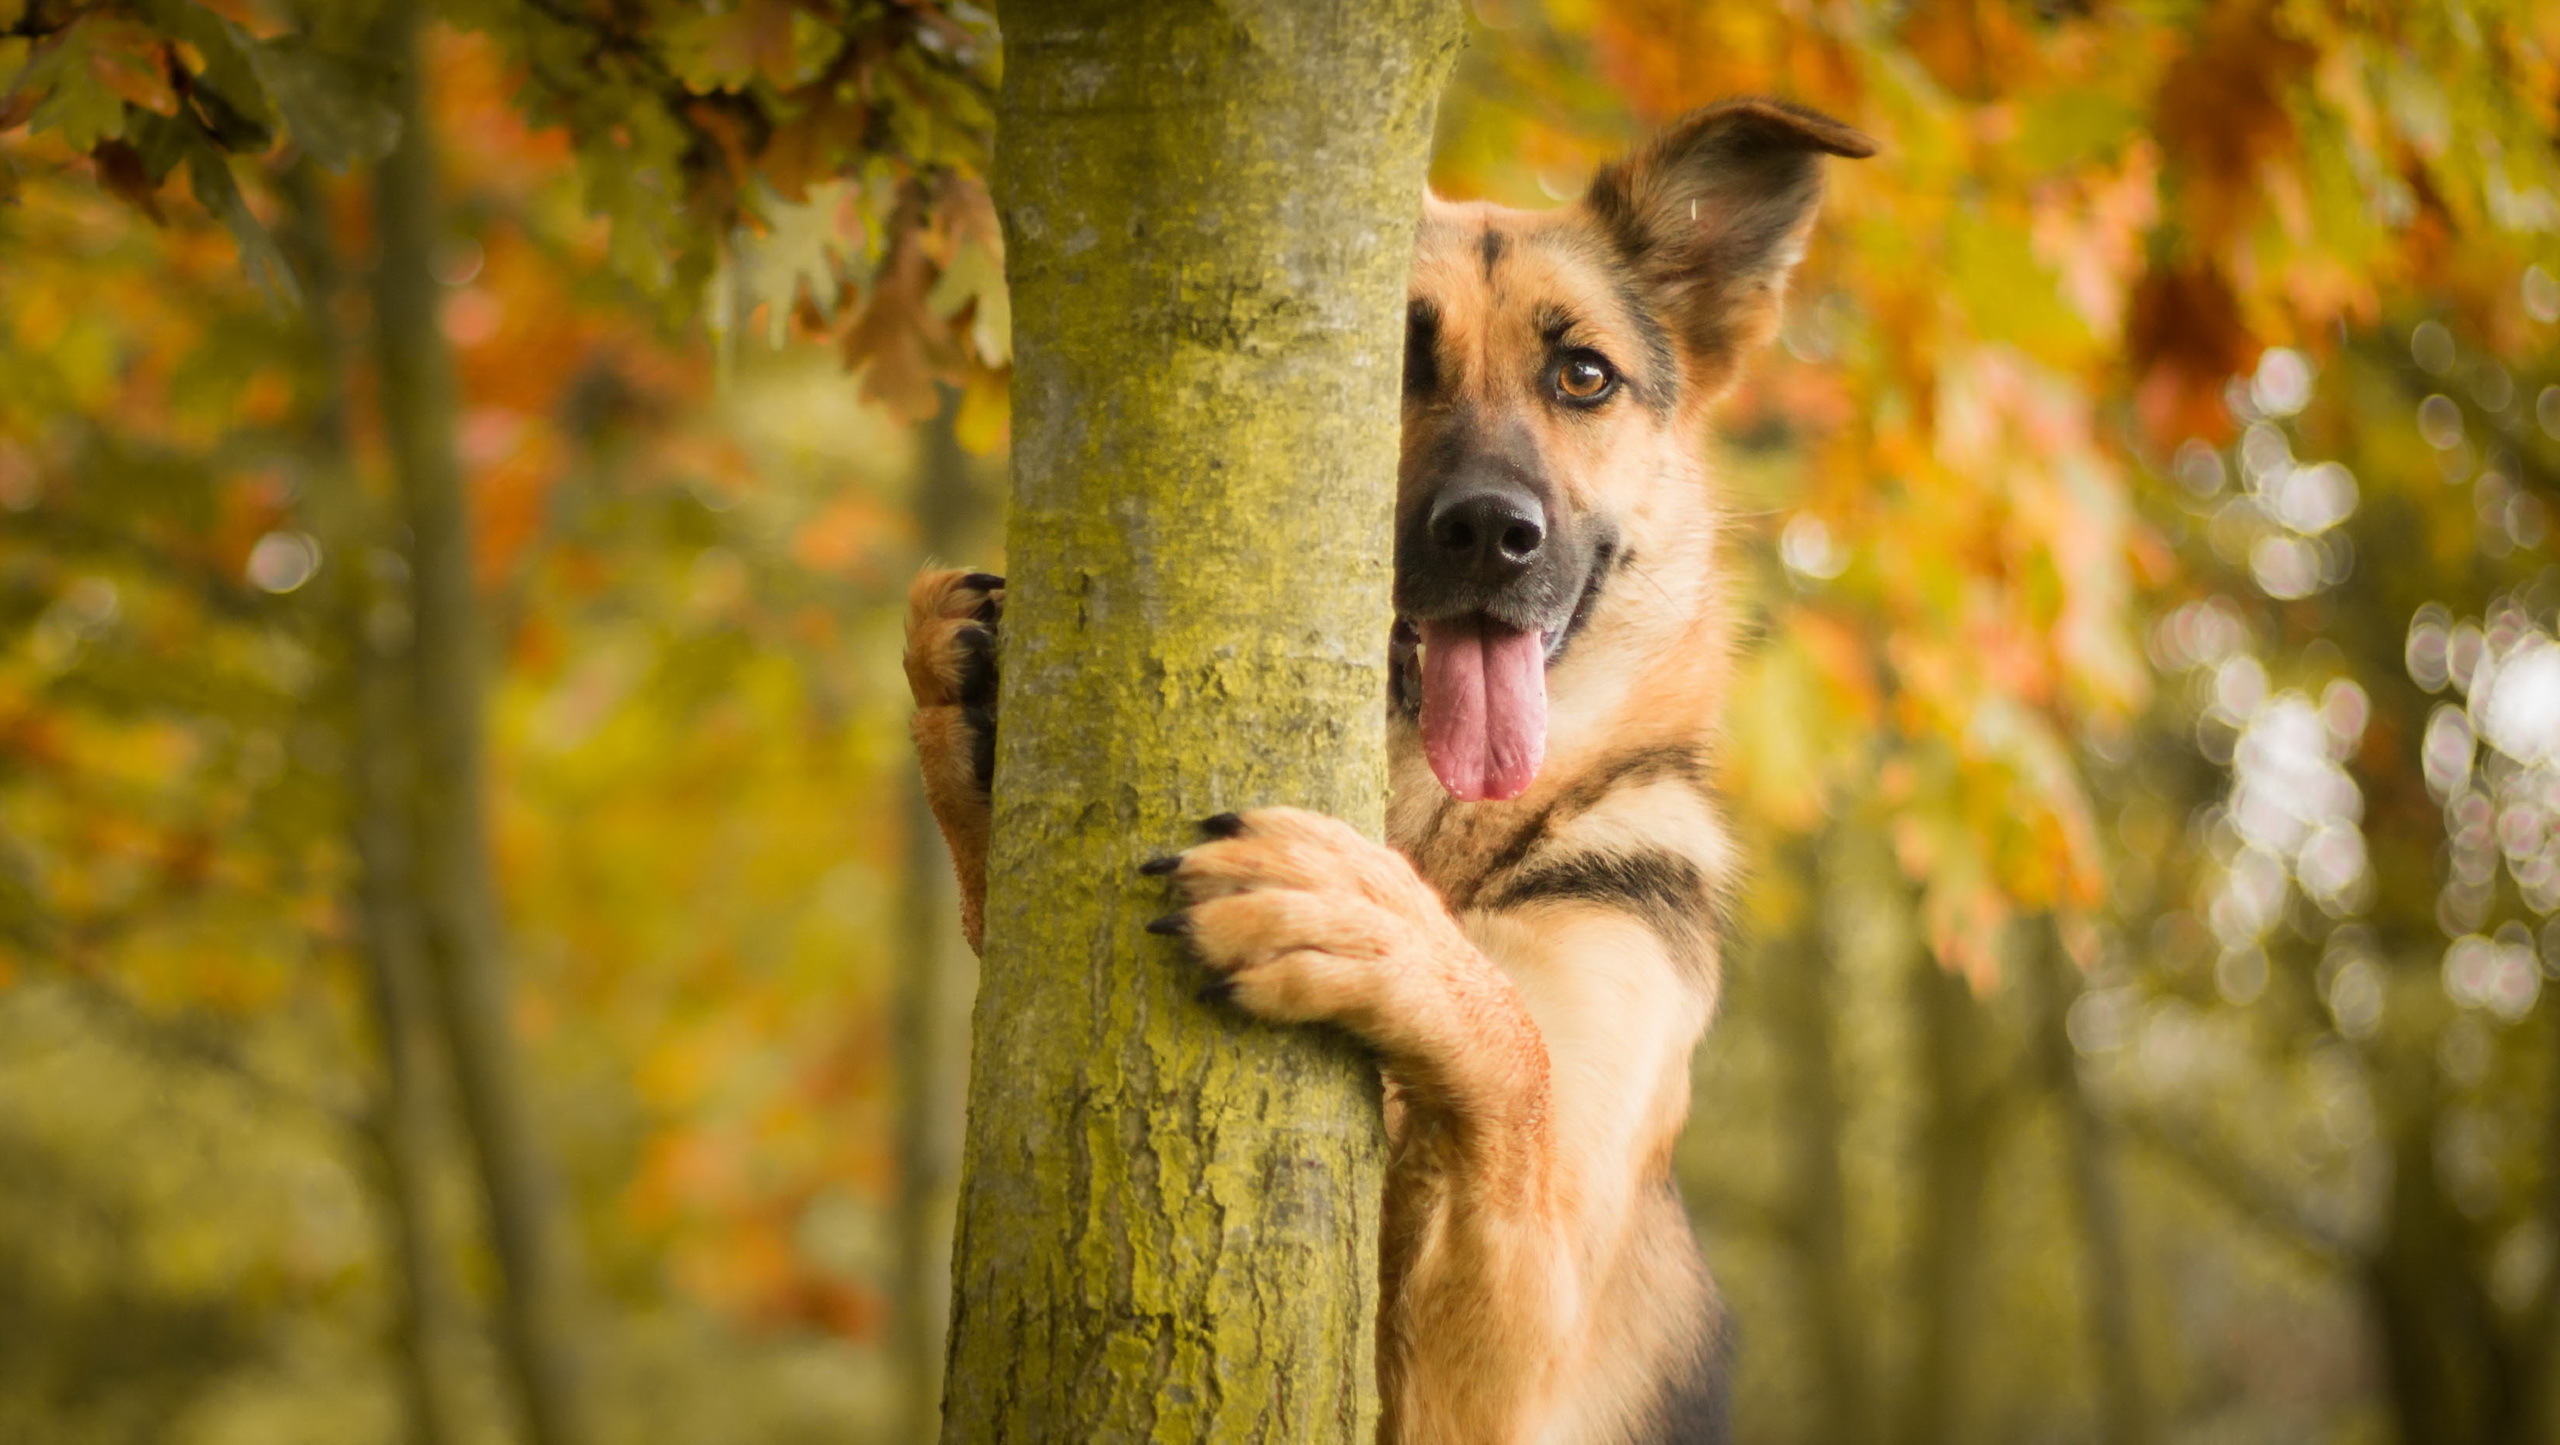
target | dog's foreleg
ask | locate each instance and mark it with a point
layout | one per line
(951, 670)
(1302, 920)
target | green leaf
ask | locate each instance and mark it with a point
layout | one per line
(335, 106)
(74, 103)
(210, 176)
(161, 142)
(976, 275)
(801, 246)
(239, 105)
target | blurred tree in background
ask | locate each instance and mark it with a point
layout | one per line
(2152, 750)
(2151, 747)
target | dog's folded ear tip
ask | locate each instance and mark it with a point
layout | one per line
(1222, 825)
(1783, 123)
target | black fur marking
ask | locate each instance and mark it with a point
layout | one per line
(1661, 391)
(1158, 867)
(1638, 765)
(1666, 892)
(1171, 925)
(1421, 349)
(1493, 243)
(1605, 561)
(1404, 670)
(1221, 825)
(982, 746)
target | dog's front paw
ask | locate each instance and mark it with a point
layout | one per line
(952, 618)
(1299, 918)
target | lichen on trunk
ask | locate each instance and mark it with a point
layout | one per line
(1169, 1216)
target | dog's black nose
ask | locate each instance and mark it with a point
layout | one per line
(1491, 534)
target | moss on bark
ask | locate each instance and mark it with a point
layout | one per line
(1169, 1216)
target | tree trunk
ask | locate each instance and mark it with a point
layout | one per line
(2453, 1374)
(1954, 1167)
(1796, 968)
(2538, 1343)
(457, 894)
(1168, 1223)
(368, 703)
(2124, 1413)
(936, 980)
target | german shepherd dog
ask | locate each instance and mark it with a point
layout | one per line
(1535, 958)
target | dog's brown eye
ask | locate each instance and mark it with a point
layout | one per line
(1585, 379)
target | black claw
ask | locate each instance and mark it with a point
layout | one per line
(1158, 867)
(1172, 925)
(983, 581)
(1222, 825)
(1216, 990)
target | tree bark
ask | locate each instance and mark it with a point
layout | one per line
(2454, 1374)
(368, 702)
(1168, 1223)
(1797, 968)
(458, 902)
(1954, 1168)
(937, 978)
(2124, 1413)
(2538, 1346)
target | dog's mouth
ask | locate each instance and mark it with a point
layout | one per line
(1480, 687)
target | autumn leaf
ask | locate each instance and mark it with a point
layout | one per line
(2221, 113)
(121, 171)
(2184, 338)
(127, 59)
(725, 49)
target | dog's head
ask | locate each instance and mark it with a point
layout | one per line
(1558, 367)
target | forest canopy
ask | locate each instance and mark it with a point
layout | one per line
(2149, 748)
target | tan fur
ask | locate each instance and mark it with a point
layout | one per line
(1534, 1011)
(942, 608)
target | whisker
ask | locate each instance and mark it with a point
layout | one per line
(1647, 574)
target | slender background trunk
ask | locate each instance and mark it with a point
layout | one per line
(369, 703)
(1168, 1223)
(937, 979)
(458, 902)
(2124, 1412)
(1798, 975)
(1956, 1140)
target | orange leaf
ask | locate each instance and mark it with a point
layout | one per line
(128, 59)
(121, 171)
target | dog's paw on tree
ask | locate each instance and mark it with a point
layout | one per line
(1300, 919)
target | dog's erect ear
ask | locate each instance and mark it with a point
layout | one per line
(1713, 213)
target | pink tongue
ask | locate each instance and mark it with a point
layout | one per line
(1484, 707)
